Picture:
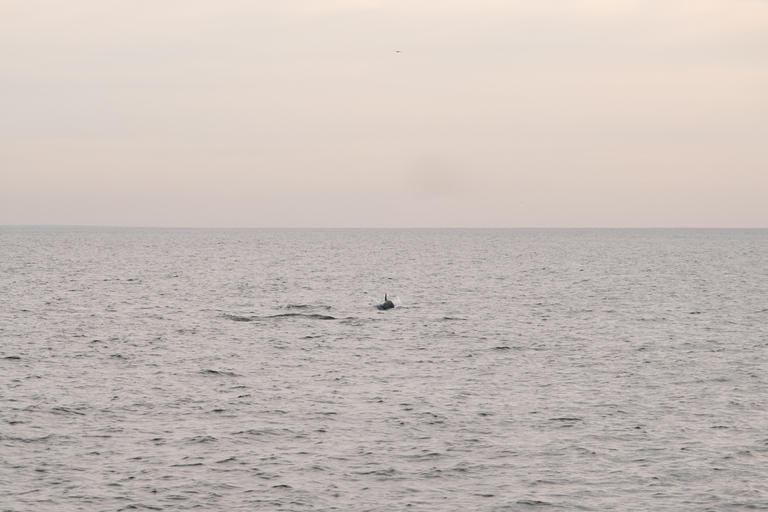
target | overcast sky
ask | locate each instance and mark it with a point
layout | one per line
(302, 113)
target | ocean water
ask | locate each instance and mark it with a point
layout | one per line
(239, 370)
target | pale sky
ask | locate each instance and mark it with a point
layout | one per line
(301, 113)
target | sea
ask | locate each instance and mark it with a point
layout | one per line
(521, 369)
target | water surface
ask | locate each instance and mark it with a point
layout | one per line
(242, 370)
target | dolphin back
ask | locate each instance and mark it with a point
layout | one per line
(387, 304)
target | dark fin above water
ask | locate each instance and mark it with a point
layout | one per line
(387, 304)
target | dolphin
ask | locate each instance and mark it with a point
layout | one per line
(387, 304)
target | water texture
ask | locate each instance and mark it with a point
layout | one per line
(239, 370)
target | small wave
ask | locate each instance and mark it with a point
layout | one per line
(261, 432)
(237, 318)
(138, 506)
(27, 439)
(305, 306)
(219, 372)
(351, 320)
(64, 410)
(379, 472)
(314, 316)
(426, 455)
(201, 439)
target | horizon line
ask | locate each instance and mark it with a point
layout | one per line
(101, 226)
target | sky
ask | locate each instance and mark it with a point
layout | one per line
(384, 113)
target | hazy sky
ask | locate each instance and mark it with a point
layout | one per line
(256, 113)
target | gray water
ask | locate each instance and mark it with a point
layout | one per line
(240, 370)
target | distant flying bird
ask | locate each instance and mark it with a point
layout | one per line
(398, 51)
